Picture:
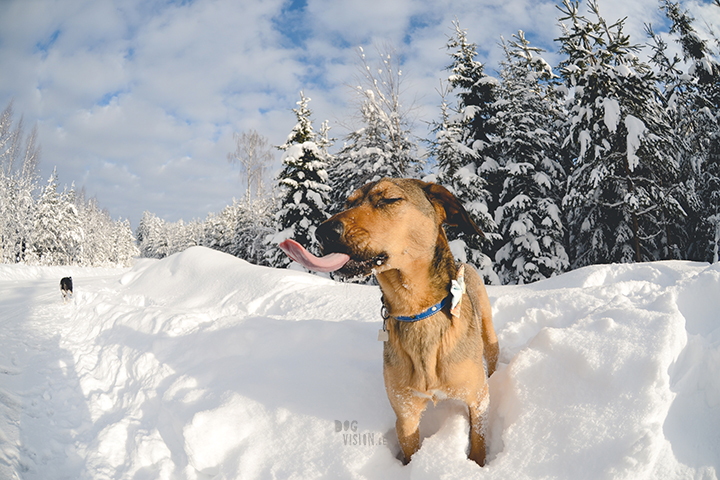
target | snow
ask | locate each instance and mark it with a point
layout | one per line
(584, 140)
(636, 133)
(624, 70)
(203, 366)
(612, 113)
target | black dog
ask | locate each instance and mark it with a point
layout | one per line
(66, 288)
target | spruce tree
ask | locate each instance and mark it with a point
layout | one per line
(621, 193)
(529, 216)
(47, 242)
(463, 150)
(476, 93)
(304, 181)
(72, 233)
(693, 89)
(457, 170)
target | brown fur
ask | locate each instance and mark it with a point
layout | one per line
(393, 229)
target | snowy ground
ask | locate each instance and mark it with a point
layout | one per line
(203, 366)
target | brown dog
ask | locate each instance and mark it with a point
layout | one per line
(393, 229)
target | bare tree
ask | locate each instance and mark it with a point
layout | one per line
(254, 153)
(383, 144)
(381, 85)
(12, 155)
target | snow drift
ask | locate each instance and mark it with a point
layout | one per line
(203, 366)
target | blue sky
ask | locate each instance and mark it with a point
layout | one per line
(138, 100)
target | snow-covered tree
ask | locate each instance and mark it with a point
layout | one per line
(159, 239)
(529, 215)
(124, 248)
(457, 170)
(383, 146)
(476, 93)
(97, 229)
(692, 85)
(57, 233)
(476, 90)
(17, 217)
(179, 237)
(42, 225)
(151, 238)
(73, 234)
(18, 184)
(463, 153)
(218, 229)
(255, 223)
(105, 242)
(304, 183)
(240, 229)
(621, 192)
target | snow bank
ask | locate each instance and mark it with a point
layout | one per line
(203, 366)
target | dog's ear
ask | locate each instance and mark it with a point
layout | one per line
(455, 213)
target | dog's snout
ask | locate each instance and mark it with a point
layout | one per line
(329, 232)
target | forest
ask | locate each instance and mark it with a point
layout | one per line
(40, 225)
(602, 158)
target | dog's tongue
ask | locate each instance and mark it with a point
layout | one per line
(328, 263)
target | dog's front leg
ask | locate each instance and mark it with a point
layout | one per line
(478, 407)
(408, 409)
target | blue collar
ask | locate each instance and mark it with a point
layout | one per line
(425, 314)
(457, 290)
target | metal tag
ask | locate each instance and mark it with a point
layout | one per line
(383, 336)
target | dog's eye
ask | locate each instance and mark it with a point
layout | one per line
(383, 202)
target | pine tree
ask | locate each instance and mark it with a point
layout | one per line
(694, 102)
(476, 92)
(48, 248)
(620, 194)
(72, 235)
(529, 216)
(463, 150)
(457, 170)
(303, 180)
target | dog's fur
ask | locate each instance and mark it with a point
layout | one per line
(66, 288)
(393, 229)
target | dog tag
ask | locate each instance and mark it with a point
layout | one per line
(383, 335)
